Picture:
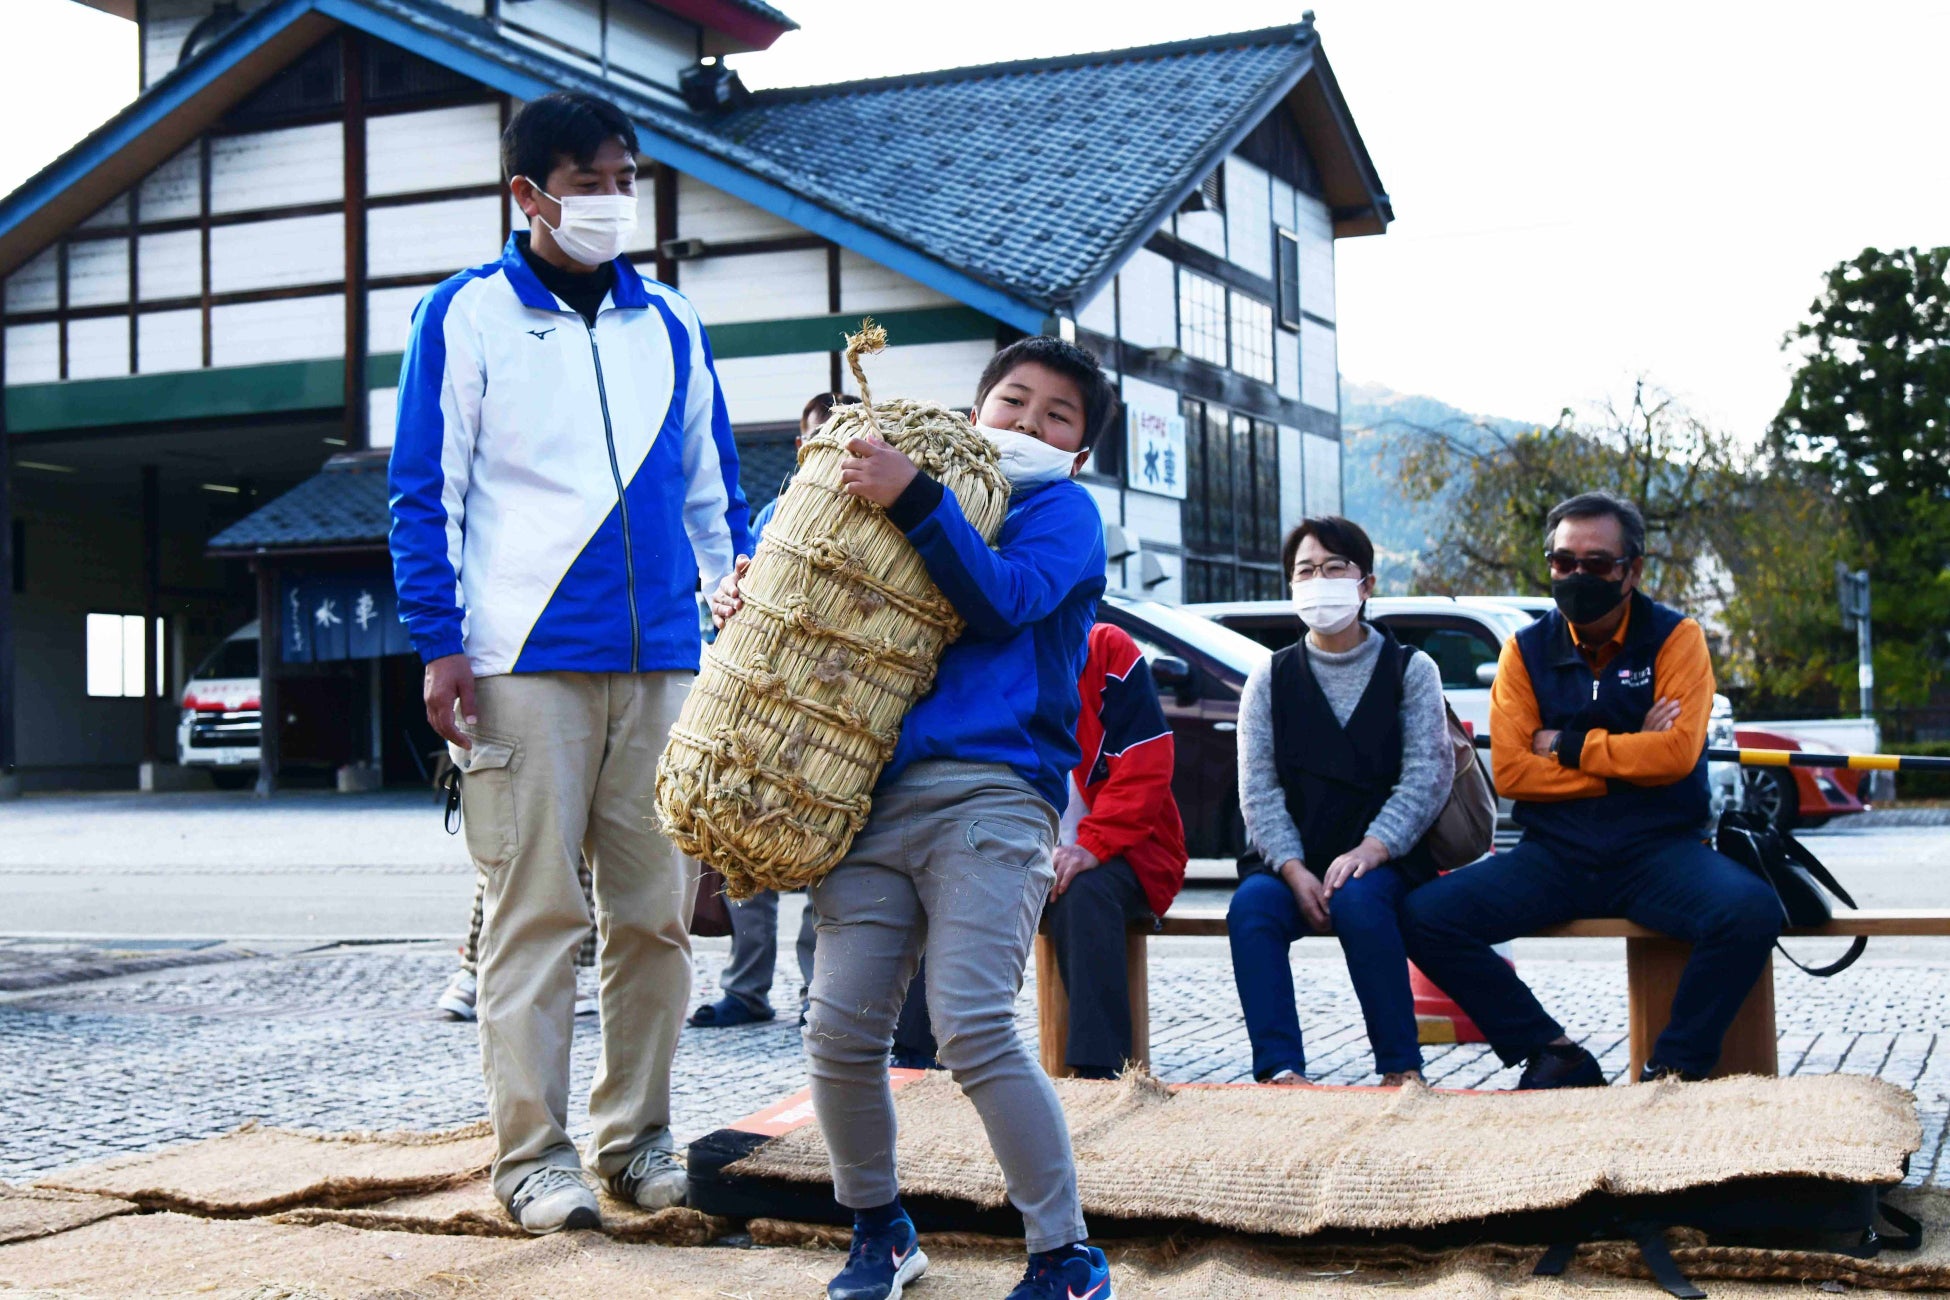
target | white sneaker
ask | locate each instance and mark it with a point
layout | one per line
(586, 999)
(554, 1198)
(457, 999)
(655, 1179)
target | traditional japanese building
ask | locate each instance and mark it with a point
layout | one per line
(206, 301)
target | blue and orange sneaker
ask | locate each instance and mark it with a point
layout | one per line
(1077, 1272)
(880, 1263)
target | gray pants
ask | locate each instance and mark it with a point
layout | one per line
(956, 858)
(755, 950)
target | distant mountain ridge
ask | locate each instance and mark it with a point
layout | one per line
(1372, 418)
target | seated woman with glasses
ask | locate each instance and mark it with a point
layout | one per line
(1344, 763)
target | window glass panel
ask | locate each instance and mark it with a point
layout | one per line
(1252, 338)
(1265, 492)
(1201, 318)
(1220, 507)
(1457, 652)
(1192, 520)
(105, 654)
(1287, 267)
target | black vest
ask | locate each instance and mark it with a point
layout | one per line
(1337, 778)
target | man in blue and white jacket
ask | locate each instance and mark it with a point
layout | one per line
(563, 473)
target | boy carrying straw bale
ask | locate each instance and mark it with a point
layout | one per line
(957, 854)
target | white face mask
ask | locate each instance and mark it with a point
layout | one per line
(1027, 461)
(594, 228)
(1327, 605)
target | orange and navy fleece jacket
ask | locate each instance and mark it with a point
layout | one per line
(1125, 773)
(1682, 670)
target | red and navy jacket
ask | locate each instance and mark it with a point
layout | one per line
(1125, 774)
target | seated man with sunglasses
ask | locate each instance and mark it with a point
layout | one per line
(1598, 721)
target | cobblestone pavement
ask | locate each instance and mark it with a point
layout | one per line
(346, 1038)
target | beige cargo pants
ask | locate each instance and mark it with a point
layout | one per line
(565, 765)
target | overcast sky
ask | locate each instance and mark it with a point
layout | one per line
(1583, 193)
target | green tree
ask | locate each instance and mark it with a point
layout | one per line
(1868, 418)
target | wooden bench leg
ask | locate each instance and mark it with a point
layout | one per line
(1652, 970)
(1053, 1003)
(1052, 1010)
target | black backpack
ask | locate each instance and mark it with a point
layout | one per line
(1797, 877)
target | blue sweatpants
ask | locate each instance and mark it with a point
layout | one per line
(1263, 922)
(1676, 886)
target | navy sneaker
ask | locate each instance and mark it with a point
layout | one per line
(1076, 1272)
(1562, 1066)
(880, 1263)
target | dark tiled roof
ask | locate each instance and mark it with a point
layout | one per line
(344, 504)
(1035, 176)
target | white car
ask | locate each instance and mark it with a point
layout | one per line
(218, 728)
(1465, 636)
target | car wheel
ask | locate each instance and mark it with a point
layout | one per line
(231, 778)
(1773, 796)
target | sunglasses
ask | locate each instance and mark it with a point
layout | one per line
(1565, 563)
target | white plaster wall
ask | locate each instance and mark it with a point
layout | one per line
(275, 169)
(649, 44)
(1286, 363)
(113, 213)
(98, 272)
(33, 353)
(35, 286)
(1320, 381)
(771, 390)
(868, 286)
(1153, 518)
(295, 329)
(1249, 222)
(1148, 301)
(1099, 315)
(928, 372)
(1315, 227)
(169, 265)
(271, 254)
(389, 317)
(173, 190)
(756, 286)
(708, 214)
(433, 149)
(169, 340)
(98, 348)
(430, 238)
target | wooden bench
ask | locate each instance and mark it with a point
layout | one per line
(1653, 963)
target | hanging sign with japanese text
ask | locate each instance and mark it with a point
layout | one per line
(340, 616)
(1156, 459)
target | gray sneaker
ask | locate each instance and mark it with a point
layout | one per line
(655, 1179)
(554, 1198)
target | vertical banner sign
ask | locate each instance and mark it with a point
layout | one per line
(1156, 452)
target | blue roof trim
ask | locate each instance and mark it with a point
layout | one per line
(148, 109)
(712, 170)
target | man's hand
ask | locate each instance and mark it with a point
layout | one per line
(1661, 716)
(1541, 742)
(1308, 893)
(1072, 860)
(875, 470)
(726, 601)
(449, 681)
(1354, 864)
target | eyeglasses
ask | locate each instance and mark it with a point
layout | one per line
(1327, 569)
(1565, 563)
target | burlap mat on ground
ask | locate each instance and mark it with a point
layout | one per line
(37, 1212)
(255, 1170)
(1294, 1161)
(170, 1255)
(471, 1210)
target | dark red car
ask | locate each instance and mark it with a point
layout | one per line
(1796, 797)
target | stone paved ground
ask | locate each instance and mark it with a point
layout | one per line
(345, 1038)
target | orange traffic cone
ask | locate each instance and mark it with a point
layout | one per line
(1437, 1017)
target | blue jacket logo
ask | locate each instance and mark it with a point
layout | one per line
(542, 334)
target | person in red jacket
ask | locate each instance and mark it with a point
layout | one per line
(1121, 851)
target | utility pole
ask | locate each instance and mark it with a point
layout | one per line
(1853, 589)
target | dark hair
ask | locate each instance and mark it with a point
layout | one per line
(1343, 537)
(566, 124)
(1596, 505)
(1066, 359)
(820, 406)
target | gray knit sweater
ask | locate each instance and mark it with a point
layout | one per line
(1427, 767)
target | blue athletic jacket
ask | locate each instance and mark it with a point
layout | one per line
(557, 490)
(1007, 690)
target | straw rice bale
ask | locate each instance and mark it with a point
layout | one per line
(798, 705)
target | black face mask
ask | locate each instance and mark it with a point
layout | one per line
(1584, 598)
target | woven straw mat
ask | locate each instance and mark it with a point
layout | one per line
(798, 704)
(1294, 1161)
